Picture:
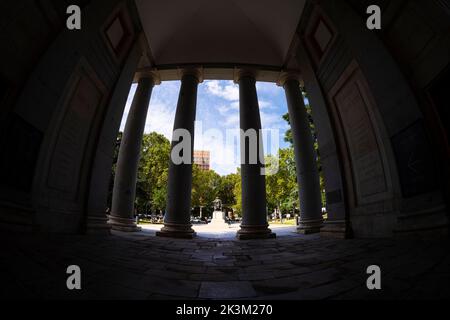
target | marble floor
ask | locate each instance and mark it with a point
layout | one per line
(142, 266)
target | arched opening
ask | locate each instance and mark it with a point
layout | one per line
(217, 135)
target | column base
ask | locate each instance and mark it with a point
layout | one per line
(309, 226)
(123, 224)
(255, 232)
(335, 230)
(175, 230)
(98, 225)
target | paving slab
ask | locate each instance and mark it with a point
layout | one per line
(142, 266)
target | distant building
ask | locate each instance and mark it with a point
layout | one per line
(201, 158)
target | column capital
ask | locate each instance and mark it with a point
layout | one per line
(150, 73)
(244, 72)
(197, 72)
(288, 75)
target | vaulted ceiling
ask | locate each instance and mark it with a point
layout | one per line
(257, 32)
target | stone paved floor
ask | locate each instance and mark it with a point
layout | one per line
(290, 267)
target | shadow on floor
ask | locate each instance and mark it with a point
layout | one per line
(141, 266)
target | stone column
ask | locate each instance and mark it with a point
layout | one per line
(177, 220)
(254, 211)
(122, 211)
(305, 159)
(336, 225)
(97, 219)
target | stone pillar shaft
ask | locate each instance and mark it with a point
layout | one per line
(124, 192)
(177, 220)
(305, 159)
(254, 211)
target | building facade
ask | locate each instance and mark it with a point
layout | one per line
(202, 159)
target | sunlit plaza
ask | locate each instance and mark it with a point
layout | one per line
(208, 231)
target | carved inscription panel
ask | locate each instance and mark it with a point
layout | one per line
(70, 144)
(353, 109)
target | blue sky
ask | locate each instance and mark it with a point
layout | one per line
(217, 112)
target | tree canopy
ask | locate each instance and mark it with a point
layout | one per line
(281, 187)
(151, 189)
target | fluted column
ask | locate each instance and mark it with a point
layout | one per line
(305, 159)
(124, 191)
(177, 220)
(254, 211)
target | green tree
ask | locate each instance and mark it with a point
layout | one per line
(237, 191)
(288, 138)
(226, 189)
(281, 187)
(288, 133)
(151, 188)
(205, 186)
(113, 169)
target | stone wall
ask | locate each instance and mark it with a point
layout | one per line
(63, 113)
(388, 166)
(28, 28)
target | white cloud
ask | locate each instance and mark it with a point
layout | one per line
(161, 111)
(268, 88)
(218, 108)
(160, 119)
(232, 120)
(226, 91)
(273, 121)
(223, 109)
(264, 104)
(232, 108)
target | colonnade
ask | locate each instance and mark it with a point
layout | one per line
(177, 222)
